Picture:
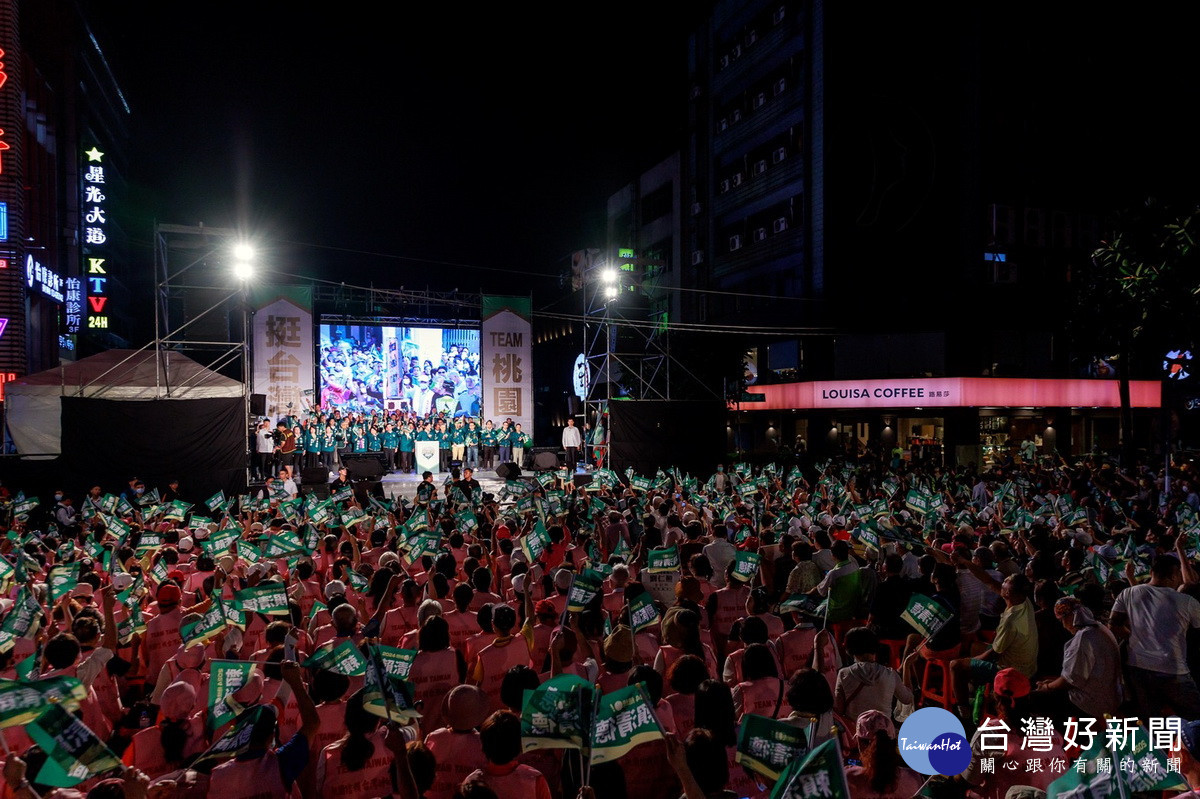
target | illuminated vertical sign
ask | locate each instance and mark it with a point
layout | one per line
(95, 230)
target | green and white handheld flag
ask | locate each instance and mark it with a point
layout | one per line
(660, 561)
(584, 588)
(766, 746)
(819, 775)
(926, 615)
(73, 752)
(624, 719)
(745, 565)
(23, 701)
(557, 714)
(225, 677)
(344, 658)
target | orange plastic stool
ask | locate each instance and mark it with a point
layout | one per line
(942, 693)
(895, 651)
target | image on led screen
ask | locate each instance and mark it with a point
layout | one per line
(370, 368)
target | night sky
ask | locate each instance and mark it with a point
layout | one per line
(490, 138)
(445, 134)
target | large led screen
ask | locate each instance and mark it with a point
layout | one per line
(370, 368)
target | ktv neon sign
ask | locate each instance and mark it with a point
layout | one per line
(95, 230)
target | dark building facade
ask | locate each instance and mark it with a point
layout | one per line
(64, 253)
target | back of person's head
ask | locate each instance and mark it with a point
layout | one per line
(840, 550)
(707, 760)
(474, 789)
(276, 632)
(358, 748)
(758, 602)
(715, 711)
(61, 651)
(650, 678)
(881, 761)
(434, 635)
(517, 681)
(329, 686)
(686, 673)
(893, 564)
(504, 618)
(758, 662)
(483, 617)
(1164, 567)
(463, 594)
(808, 692)
(1021, 588)
(860, 641)
(423, 766)
(754, 631)
(500, 737)
(481, 578)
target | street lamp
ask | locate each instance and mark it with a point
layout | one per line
(608, 275)
(243, 270)
(243, 252)
(611, 292)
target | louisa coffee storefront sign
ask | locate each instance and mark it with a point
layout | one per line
(954, 392)
(879, 392)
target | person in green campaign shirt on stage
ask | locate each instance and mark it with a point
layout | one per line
(444, 435)
(458, 441)
(521, 441)
(373, 443)
(471, 442)
(312, 444)
(488, 439)
(408, 443)
(328, 445)
(389, 440)
(504, 442)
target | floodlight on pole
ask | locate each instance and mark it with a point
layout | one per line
(608, 275)
(243, 252)
(611, 292)
(243, 271)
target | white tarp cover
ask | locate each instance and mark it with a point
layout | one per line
(34, 411)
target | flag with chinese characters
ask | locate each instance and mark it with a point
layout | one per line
(226, 676)
(818, 776)
(73, 752)
(926, 615)
(661, 561)
(767, 746)
(344, 658)
(22, 701)
(234, 742)
(584, 588)
(557, 714)
(642, 613)
(745, 565)
(386, 695)
(624, 719)
(269, 599)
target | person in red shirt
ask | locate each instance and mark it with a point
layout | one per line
(500, 736)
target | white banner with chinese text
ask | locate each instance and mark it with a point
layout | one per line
(283, 357)
(506, 362)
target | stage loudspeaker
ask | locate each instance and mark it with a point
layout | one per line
(545, 460)
(581, 479)
(508, 471)
(572, 405)
(363, 467)
(258, 404)
(317, 475)
(365, 488)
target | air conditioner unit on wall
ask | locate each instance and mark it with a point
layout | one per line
(760, 233)
(697, 257)
(695, 209)
(735, 242)
(737, 178)
(781, 224)
(779, 14)
(781, 86)
(760, 166)
(779, 154)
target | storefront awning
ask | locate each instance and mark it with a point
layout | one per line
(953, 392)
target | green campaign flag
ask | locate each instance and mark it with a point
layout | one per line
(149, 542)
(818, 776)
(151, 497)
(133, 590)
(1099, 565)
(803, 603)
(467, 521)
(290, 510)
(557, 714)
(123, 507)
(317, 607)
(745, 565)
(234, 742)
(177, 510)
(642, 613)
(546, 478)
(283, 544)
(584, 588)
(357, 581)
(926, 615)
(869, 537)
(73, 752)
(917, 502)
(622, 550)
(248, 552)
(624, 719)
(417, 522)
(6, 571)
(205, 628)
(220, 541)
(386, 696)
(421, 545)
(659, 561)
(225, 677)
(353, 516)
(216, 501)
(62, 579)
(396, 662)
(766, 746)
(344, 658)
(640, 483)
(344, 494)
(515, 488)
(131, 625)
(21, 701)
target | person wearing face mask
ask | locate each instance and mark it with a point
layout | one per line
(134, 492)
(65, 515)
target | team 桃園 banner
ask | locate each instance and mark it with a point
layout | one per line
(283, 354)
(506, 361)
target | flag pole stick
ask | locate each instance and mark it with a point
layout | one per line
(927, 781)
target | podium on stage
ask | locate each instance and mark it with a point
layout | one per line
(426, 453)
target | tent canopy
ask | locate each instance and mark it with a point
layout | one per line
(34, 402)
